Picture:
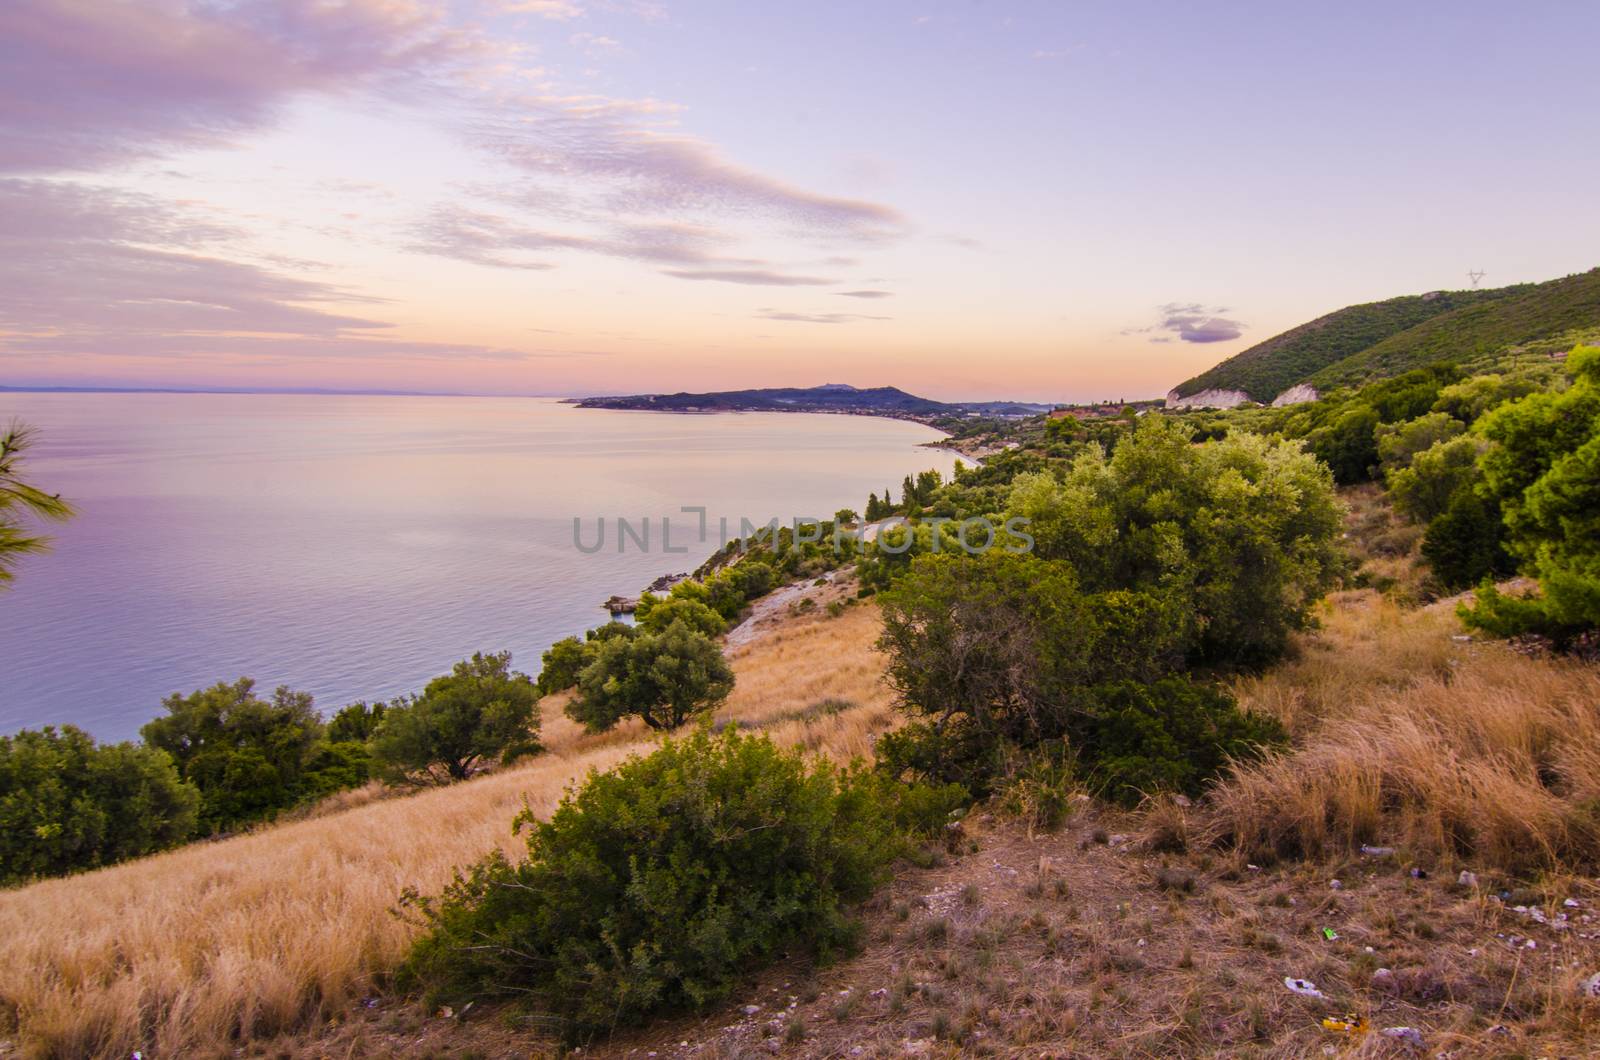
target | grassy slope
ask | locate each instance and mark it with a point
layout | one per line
(182, 953)
(1127, 935)
(1478, 332)
(1269, 368)
(264, 945)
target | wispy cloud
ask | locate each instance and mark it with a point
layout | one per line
(815, 318)
(756, 277)
(638, 169)
(558, 10)
(87, 84)
(865, 294)
(132, 276)
(1190, 322)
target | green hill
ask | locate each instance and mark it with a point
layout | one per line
(1546, 316)
(1269, 368)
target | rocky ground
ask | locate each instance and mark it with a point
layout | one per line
(1096, 942)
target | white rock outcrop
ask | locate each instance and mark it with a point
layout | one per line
(1207, 399)
(1298, 394)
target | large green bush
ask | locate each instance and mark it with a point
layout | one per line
(246, 755)
(1242, 532)
(1174, 735)
(1423, 489)
(1543, 470)
(661, 885)
(67, 803)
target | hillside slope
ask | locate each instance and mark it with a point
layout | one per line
(1269, 368)
(1475, 332)
(1361, 343)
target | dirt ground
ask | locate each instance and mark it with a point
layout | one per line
(1086, 943)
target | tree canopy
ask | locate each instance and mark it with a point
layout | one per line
(663, 678)
(481, 710)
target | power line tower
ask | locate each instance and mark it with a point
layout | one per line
(1475, 275)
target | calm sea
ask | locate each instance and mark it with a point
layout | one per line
(353, 547)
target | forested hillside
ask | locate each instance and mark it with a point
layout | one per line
(1378, 340)
(1552, 315)
(1269, 368)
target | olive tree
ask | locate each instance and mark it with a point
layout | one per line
(662, 678)
(480, 710)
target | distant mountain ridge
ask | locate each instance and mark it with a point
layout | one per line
(829, 397)
(1376, 340)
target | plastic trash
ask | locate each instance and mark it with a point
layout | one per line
(1376, 852)
(1303, 987)
(1570, 903)
(1349, 1023)
(1330, 934)
(1591, 986)
(1419, 874)
(1409, 1035)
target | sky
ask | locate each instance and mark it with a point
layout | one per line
(1053, 201)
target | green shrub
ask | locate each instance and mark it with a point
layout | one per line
(661, 884)
(561, 663)
(923, 809)
(355, 723)
(1174, 735)
(1543, 469)
(1238, 537)
(655, 614)
(481, 710)
(335, 766)
(955, 751)
(246, 755)
(1424, 488)
(67, 803)
(1463, 543)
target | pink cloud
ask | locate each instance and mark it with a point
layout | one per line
(89, 83)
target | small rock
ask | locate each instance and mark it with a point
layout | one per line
(1118, 839)
(1376, 852)
(1467, 879)
(1336, 885)
(1182, 800)
(1570, 903)
(773, 1046)
(1591, 986)
(751, 1010)
(1409, 1035)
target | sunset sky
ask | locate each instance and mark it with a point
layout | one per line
(975, 199)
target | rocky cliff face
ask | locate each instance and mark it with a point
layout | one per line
(1296, 395)
(1207, 399)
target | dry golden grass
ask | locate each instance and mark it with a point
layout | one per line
(1405, 736)
(187, 953)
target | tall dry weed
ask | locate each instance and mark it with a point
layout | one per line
(1405, 736)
